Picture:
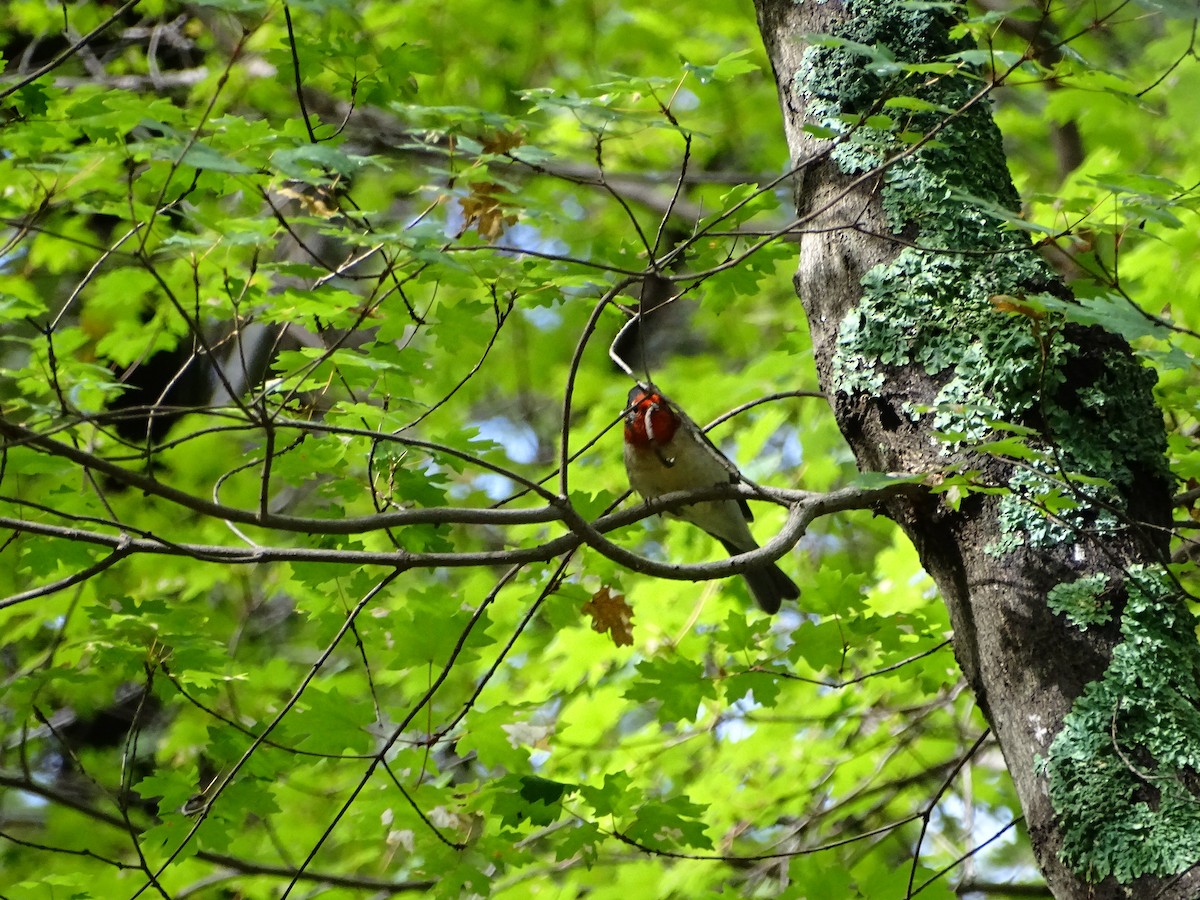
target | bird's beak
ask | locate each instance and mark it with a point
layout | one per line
(630, 413)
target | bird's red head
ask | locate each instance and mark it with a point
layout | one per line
(649, 418)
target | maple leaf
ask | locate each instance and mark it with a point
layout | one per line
(486, 211)
(610, 612)
(501, 142)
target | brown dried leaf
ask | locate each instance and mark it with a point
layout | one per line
(610, 613)
(503, 141)
(484, 210)
(1005, 303)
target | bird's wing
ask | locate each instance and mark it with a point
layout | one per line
(735, 475)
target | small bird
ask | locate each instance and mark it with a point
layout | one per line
(665, 451)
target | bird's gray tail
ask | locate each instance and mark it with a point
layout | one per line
(768, 584)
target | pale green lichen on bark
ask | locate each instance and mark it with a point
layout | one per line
(1123, 770)
(931, 305)
(1126, 761)
(1081, 601)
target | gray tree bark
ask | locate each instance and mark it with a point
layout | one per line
(928, 316)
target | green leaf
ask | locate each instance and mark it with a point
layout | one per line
(740, 633)
(727, 68)
(675, 686)
(1011, 448)
(315, 163)
(589, 505)
(917, 104)
(441, 620)
(615, 797)
(333, 721)
(1110, 311)
(201, 156)
(14, 306)
(581, 841)
(820, 645)
(671, 823)
(491, 736)
(820, 131)
(529, 799)
(31, 100)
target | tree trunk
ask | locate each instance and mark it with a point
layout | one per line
(936, 330)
